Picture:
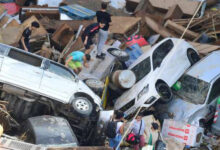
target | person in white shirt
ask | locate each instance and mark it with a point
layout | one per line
(138, 128)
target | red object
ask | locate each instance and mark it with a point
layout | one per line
(136, 39)
(12, 8)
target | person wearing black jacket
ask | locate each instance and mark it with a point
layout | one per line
(89, 34)
(103, 33)
(24, 41)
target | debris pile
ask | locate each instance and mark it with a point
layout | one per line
(146, 70)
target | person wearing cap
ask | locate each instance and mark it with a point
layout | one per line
(24, 41)
(138, 128)
(75, 59)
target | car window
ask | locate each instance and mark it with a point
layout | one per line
(215, 91)
(25, 57)
(193, 89)
(142, 69)
(61, 71)
(160, 52)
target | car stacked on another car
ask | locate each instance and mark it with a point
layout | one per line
(33, 86)
(156, 71)
(194, 101)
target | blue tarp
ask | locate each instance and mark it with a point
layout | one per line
(77, 12)
(134, 53)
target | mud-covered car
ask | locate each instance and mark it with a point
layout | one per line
(33, 86)
(156, 71)
(194, 100)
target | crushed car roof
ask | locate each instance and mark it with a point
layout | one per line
(206, 69)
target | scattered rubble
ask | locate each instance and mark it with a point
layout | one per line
(143, 69)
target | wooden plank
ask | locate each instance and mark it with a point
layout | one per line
(158, 28)
(13, 23)
(180, 29)
(188, 7)
(174, 12)
(204, 48)
(121, 25)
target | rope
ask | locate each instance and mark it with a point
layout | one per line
(126, 132)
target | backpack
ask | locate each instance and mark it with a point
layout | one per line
(111, 129)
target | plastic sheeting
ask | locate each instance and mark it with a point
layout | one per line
(118, 4)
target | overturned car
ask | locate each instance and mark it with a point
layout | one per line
(33, 86)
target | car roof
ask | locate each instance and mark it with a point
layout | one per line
(207, 68)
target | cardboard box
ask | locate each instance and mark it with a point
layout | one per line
(182, 132)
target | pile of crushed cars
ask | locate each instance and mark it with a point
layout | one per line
(150, 65)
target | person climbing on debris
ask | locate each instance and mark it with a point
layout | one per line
(75, 59)
(138, 128)
(116, 127)
(24, 41)
(89, 34)
(103, 33)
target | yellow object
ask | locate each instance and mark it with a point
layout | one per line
(104, 93)
(1, 130)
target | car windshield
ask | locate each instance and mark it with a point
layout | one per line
(193, 90)
(142, 69)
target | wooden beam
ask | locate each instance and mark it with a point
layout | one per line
(188, 7)
(158, 28)
(180, 29)
(174, 12)
(204, 48)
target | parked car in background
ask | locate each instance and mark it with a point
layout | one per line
(156, 71)
(195, 100)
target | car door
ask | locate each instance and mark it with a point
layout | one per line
(211, 101)
(22, 69)
(58, 82)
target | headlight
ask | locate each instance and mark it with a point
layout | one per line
(143, 91)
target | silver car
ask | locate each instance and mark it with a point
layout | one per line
(195, 100)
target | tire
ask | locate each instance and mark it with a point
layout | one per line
(192, 56)
(82, 106)
(119, 54)
(160, 145)
(96, 85)
(165, 92)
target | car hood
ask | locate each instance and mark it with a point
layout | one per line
(182, 110)
(132, 93)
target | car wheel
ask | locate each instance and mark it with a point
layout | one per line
(164, 91)
(160, 145)
(192, 56)
(82, 106)
(119, 54)
(96, 85)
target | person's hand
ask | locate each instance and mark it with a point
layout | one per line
(85, 42)
(25, 49)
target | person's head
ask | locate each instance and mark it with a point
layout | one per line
(119, 115)
(155, 126)
(102, 23)
(87, 57)
(104, 5)
(139, 117)
(35, 25)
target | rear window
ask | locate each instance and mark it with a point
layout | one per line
(25, 57)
